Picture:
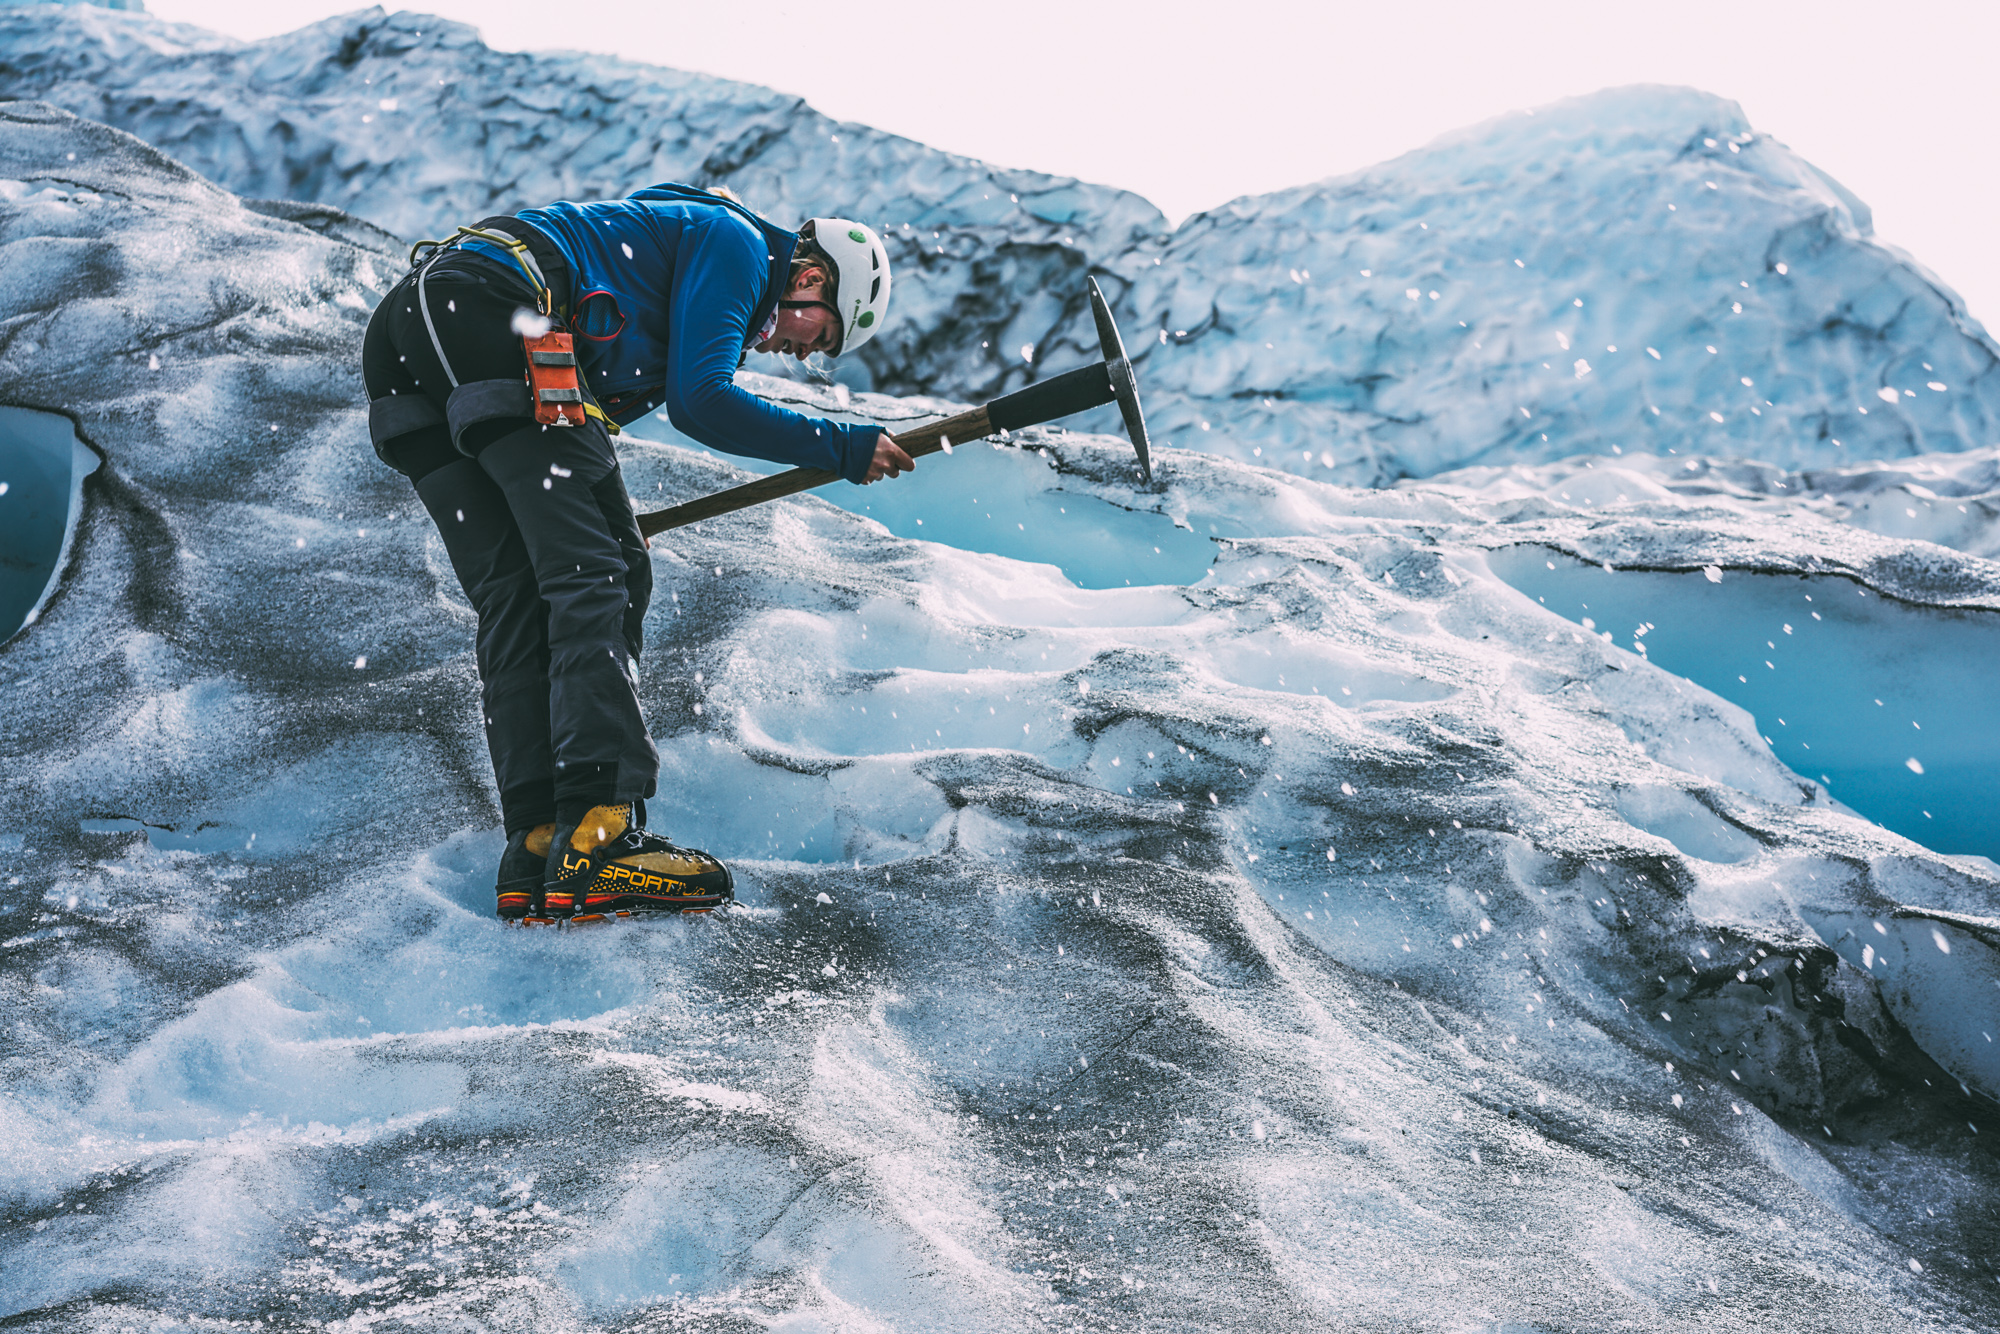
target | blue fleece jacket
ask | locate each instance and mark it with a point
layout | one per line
(669, 287)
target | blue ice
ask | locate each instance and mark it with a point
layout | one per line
(42, 467)
(1889, 704)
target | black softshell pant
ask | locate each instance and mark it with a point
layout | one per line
(542, 538)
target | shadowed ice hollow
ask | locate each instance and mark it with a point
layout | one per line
(42, 467)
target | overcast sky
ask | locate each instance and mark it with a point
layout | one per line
(1192, 104)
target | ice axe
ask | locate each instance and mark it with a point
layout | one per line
(1107, 381)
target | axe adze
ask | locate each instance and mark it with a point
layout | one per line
(1107, 381)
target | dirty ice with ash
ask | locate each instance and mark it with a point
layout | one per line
(1491, 901)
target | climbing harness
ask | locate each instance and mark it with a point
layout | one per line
(516, 248)
(555, 389)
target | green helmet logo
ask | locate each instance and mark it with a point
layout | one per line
(854, 234)
(867, 318)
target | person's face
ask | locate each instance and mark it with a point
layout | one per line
(804, 330)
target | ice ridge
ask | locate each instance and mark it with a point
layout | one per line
(1638, 271)
(410, 121)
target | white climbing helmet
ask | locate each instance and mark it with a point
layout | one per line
(861, 263)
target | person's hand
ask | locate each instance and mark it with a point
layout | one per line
(889, 460)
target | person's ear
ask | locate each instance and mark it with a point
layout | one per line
(813, 279)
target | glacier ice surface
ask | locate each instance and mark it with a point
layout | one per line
(1332, 941)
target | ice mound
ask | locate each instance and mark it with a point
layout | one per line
(1342, 940)
(1639, 270)
(1951, 499)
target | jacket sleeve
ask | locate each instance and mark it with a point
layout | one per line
(720, 271)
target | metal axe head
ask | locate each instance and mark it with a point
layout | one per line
(1123, 384)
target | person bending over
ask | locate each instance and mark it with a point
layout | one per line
(663, 293)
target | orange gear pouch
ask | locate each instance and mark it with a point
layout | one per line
(552, 379)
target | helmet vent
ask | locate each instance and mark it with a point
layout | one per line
(874, 291)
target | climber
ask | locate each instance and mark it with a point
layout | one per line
(622, 307)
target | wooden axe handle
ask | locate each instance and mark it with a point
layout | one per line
(916, 442)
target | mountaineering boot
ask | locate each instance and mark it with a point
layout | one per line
(607, 864)
(522, 868)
